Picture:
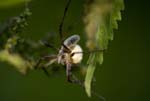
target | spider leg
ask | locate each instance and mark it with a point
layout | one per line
(46, 72)
(66, 48)
(49, 45)
(44, 69)
(49, 58)
(62, 21)
(71, 78)
(68, 72)
(77, 81)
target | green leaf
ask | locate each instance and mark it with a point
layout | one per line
(89, 74)
(8, 3)
(100, 19)
(88, 79)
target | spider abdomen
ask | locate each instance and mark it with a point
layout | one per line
(77, 54)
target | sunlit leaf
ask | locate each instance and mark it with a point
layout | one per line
(16, 60)
(89, 75)
(100, 19)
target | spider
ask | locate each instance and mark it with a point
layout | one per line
(69, 53)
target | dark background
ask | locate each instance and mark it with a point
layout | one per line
(124, 75)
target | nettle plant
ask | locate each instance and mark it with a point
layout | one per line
(99, 18)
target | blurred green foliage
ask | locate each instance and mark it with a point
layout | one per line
(9, 3)
(10, 36)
